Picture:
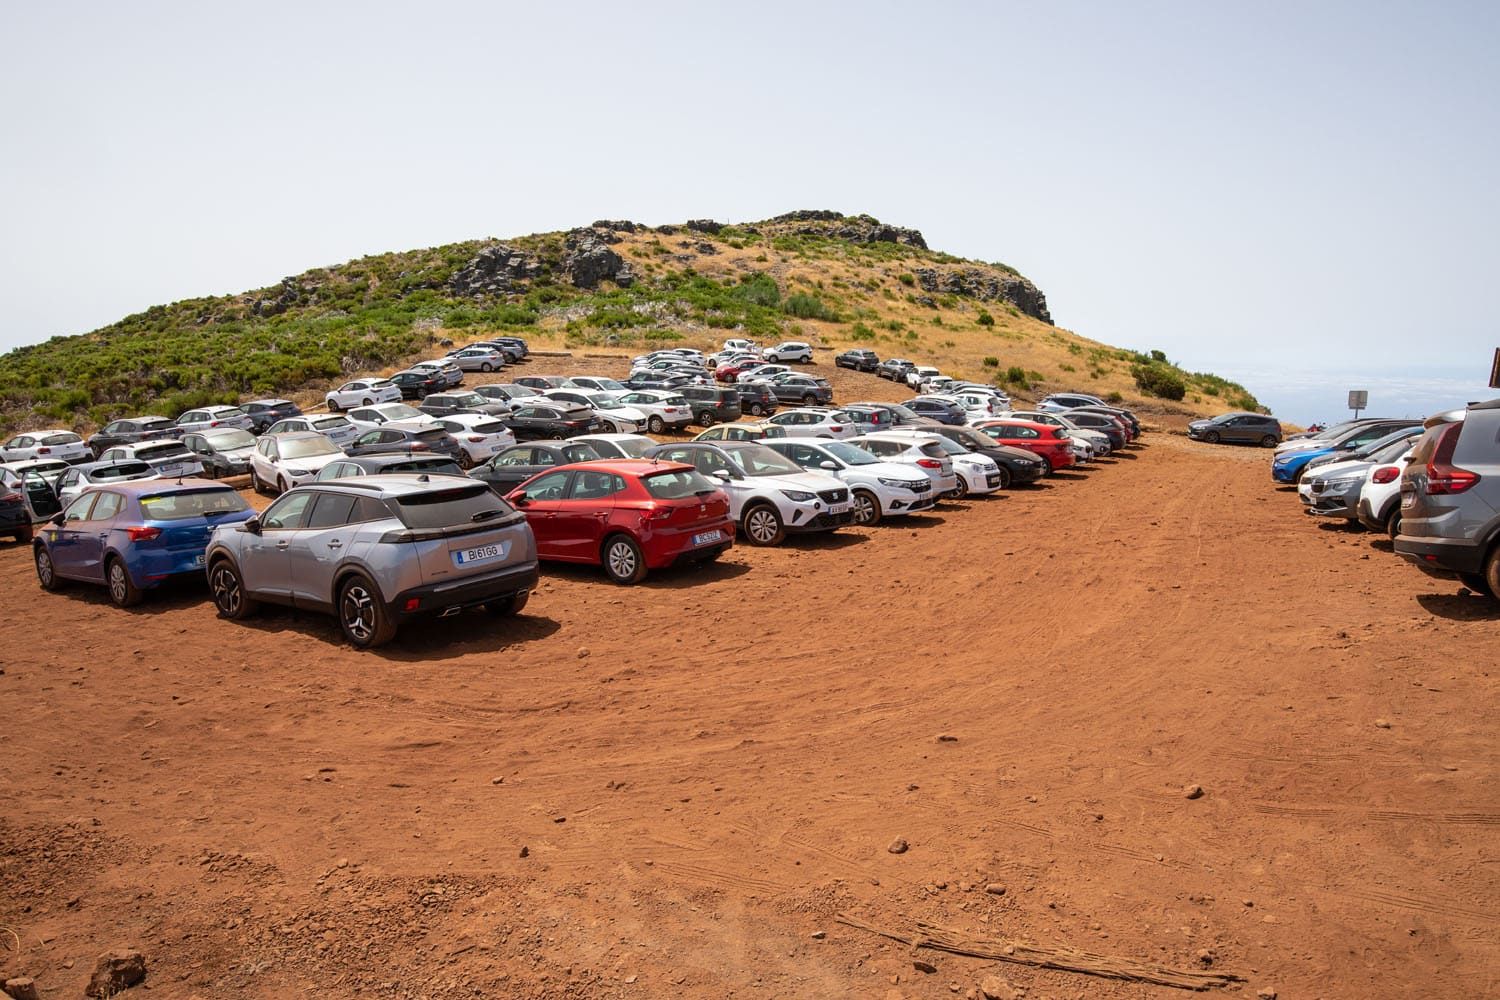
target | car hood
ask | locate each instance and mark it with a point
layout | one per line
(239, 454)
(893, 470)
(811, 481)
(1338, 470)
(1305, 444)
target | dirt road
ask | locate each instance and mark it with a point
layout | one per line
(673, 789)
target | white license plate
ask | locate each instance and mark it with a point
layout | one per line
(479, 554)
(707, 536)
(838, 508)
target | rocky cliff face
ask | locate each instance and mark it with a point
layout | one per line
(987, 286)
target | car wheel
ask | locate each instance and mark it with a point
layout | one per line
(486, 367)
(706, 418)
(555, 436)
(1492, 572)
(1212, 437)
(756, 409)
(866, 507)
(763, 525)
(809, 399)
(363, 618)
(228, 590)
(255, 483)
(509, 606)
(464, 461)
(122, 590)
(1479, 582)
(963, 488)
(211, 471)
(656, 424)
(623, 560)
(333, 406)
(46, 573)
(281, 486)
(1269, 441)
(1046, 466)
(1393, 523)
(1004, 478)
(369, 402)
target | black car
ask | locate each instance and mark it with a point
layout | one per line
(374, 465)
(130, 430)
(505, 393)
(809, 390)
(552, 419)
(940, 410)
(444, 404)
(265, 412)
(712, 405)
(1112, 411)
(894, 369)
(541, 383)
(224, 451)
(15, 515)
(899, 415)
(416, 385)
(861, 359)
(518, 463)
(404, 440)
(756, 398)
(1017, 465)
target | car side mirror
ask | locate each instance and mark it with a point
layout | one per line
(830, 466)
(252, 525)
(721, 474)
(57, 519)
(518, 499)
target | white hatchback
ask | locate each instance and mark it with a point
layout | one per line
(876, 489)
(363, 392)
(366, 418)
(479, 435)
(59, 444)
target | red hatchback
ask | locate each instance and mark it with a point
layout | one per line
(627, 515)
(1051, 444)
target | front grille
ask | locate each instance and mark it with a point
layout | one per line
(921, 487)
(834, 496)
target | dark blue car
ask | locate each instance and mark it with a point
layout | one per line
(134, 536)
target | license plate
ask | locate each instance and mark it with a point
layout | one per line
(198, 559)
(837, 508)
(703, 538)
(479, 554)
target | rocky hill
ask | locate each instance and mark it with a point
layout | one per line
(831, 279)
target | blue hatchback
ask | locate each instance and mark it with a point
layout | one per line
(134, 536)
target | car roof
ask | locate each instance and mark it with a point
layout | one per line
(381, 461)
(135, 487)
(283, 436)
(632, 466)
(397, 484)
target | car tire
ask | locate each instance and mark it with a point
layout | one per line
(228, 590)
(656, 424)
(1212, 437)
(24, 535)
(866, 508)
(281, 486)
(809, 399)
(333, 406)
(368, 402)
(623, 561)
(1004, 478)
(555, 436)
(46, 573)
(756, 409)
(486, 367)
(122, 590)
(706, 418)
(363, 619)
(1268, 441)
(255, 483)
(211, 471)
(510, 606)
(1492, 572)
(1478, 582)
(1393, 522)
(1046, 465)
(962, 492)
(464, 461)
(762, 525)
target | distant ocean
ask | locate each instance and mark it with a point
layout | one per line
(1307, 396)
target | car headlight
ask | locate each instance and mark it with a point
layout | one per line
(896, 484)
(797, 496)
(299, 472)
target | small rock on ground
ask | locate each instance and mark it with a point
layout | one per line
(1192, 791)
(115, 971)
(899, 846)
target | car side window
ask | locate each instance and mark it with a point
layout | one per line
(710, 462)
(541, 456)
(78, 510)
(553, 486)
(107, 506)
(515, 456)
(287, 513)
(595, 485)
(70, 478)
(332, 510)
(368, 437)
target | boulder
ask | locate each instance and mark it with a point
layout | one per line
(976, 283)
(618, 225)
(495, 270)
(115, 971)
(589, 261)
(21, 988)
(708, 226)
(810, 215)
(288, 294)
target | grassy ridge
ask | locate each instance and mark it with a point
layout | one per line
(766, 282)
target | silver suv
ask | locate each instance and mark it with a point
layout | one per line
(377, 551)
(1450, 499)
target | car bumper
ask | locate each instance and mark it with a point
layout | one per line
(14, 518)
(663, 548)
(1368, 516)
(1440, 556)
(446, 598)
(902, 501)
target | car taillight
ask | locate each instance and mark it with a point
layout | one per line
(476, 439)
(44, 451)
(1442, 476)
(419, 446)
(1387, 474)
(213, 423)
(929, 463)
(143, 534)
(11, 498)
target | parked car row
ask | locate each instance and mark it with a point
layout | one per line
(1430, 485)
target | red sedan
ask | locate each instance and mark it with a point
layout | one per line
(627, 515)
(1051, 444)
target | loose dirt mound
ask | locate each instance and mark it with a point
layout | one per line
(674, 789)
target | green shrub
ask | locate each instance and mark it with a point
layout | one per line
(985, 319)
(1114, 397)
(1015, 375)
(907, 279)
(805, 306)
(992, 362)
(1157, 379)
(861, 332)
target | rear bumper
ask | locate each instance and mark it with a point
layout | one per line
(663, 548)
(1441, 556)
(14, 518)
(447, 597)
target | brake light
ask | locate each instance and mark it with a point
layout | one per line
(476, 440)
(213, 423)
(418, 446)
(929, 463)
(1386, 474)
(11, 498)
(143, 534)
(1442, 475)
(44, 451)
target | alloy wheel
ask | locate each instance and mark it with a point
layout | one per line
(358, 612)
(225, 585)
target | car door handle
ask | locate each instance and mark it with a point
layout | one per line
(283, 543)
(335, 544)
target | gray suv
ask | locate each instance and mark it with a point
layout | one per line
(377, 551)
(1450, 499)
(1239, 428)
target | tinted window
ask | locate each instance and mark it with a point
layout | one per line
(61, 439)
(595, 485)
(159, 451)
(331, 511)
(675, 485)
(462, 505)
(552, 486)
(198, 503)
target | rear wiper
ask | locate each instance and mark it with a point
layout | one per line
(702, 493)
(485, 515)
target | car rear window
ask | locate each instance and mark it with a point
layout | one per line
(162, 451)
(160, 423)
(438, 466)
(674, 485)
(330, 423)
(458, 507)
(432, 437)
(490, 427)
(61, 439)
(121, 471)
(933, 450)
(197, 503)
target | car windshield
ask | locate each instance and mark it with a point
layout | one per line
(758, 460)
(226, 440)
(469, 399)
(677, 484)
(849, 454)
(198, 503)
(604, 401)
(1391, 451)
(330, 423)
(456, 507)
(156, 451)
(307, 448)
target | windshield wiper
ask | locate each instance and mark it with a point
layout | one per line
(485, 515)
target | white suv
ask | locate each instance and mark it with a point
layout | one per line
(287, 460)
(876, 489)
(363, 392)
(208, 417)
(791, 350)
(921, 450)
(815, 421)
(1380, 499)
(769, 494)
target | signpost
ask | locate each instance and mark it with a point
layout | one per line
(1495, 370)
(1358, 400)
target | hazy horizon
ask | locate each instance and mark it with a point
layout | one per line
(1282, 191)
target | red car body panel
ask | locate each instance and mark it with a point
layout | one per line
(571, 528)
(1051, 443)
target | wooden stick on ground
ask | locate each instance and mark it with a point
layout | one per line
(1064, 959)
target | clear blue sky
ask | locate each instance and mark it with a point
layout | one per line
(1269, 188)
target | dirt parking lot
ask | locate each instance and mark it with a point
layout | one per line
(675, 789)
